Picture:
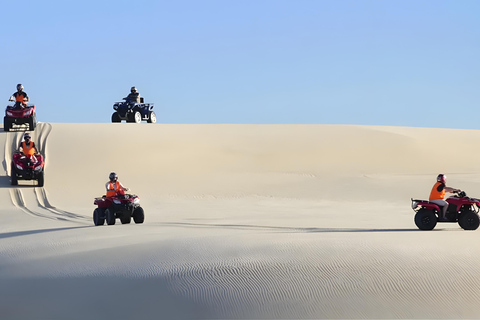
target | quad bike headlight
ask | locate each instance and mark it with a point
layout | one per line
(414, 204)
(19, 167)
(136, 201)
(38, 168)
(9, 113)
(117, 201)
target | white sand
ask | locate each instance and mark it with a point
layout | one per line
(242, 221)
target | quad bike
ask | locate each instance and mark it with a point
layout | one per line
(120, 206)
(133, 112)
(461, 209)
(19, 114)
(27, 168)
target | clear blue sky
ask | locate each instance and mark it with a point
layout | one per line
(375, 62)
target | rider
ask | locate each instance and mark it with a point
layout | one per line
(134, 96)
(114, 186)
(437, 195)
(27, 147)
(20, 97)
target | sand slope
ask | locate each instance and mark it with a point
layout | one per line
(242, 221)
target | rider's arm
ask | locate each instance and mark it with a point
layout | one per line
(451, 190)
(124, 188)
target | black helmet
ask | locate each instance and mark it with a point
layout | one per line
(27, 136)
(133, 90)
(19, 87)
(113, 176)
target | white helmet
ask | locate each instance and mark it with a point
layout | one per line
(133, 89)
(27, 136)
(19, 87)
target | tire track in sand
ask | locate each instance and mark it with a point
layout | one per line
(20, 196)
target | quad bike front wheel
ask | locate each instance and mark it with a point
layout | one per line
(6, 124)
(98, 217)
(425, 219)
(41, 179)
(138, 215)
(152, 118)
(137, 117)
(110, 216)
(13, 174)
(126, 219)
(469, 220)
(32, 122)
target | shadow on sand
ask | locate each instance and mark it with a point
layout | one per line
(5, 182)
(286, 229)
(30, 232)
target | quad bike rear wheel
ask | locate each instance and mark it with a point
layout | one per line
(469, 220)
(425, 219)
(138, 215)
(110, 216)
(98, 217)
(116, 117)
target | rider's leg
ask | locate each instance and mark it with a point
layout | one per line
(443, 207)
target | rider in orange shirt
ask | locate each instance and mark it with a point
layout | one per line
(20, 97)
(437, 195)
(27, 147)
(114, 186)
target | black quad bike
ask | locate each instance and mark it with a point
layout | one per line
(133, 112)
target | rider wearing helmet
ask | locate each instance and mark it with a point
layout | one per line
(437, 195)
(27, 147)
(134, 96)
(114, 186)
(20, 97)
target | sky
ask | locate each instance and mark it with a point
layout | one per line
(364, 62)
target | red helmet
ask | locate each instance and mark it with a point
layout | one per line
(442, 178)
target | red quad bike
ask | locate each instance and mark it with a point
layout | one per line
(19, 114)
(461, 209)
(27, 168)
(123, 207)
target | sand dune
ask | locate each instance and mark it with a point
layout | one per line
(242, 221)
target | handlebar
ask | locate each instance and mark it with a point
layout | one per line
(461, 194)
